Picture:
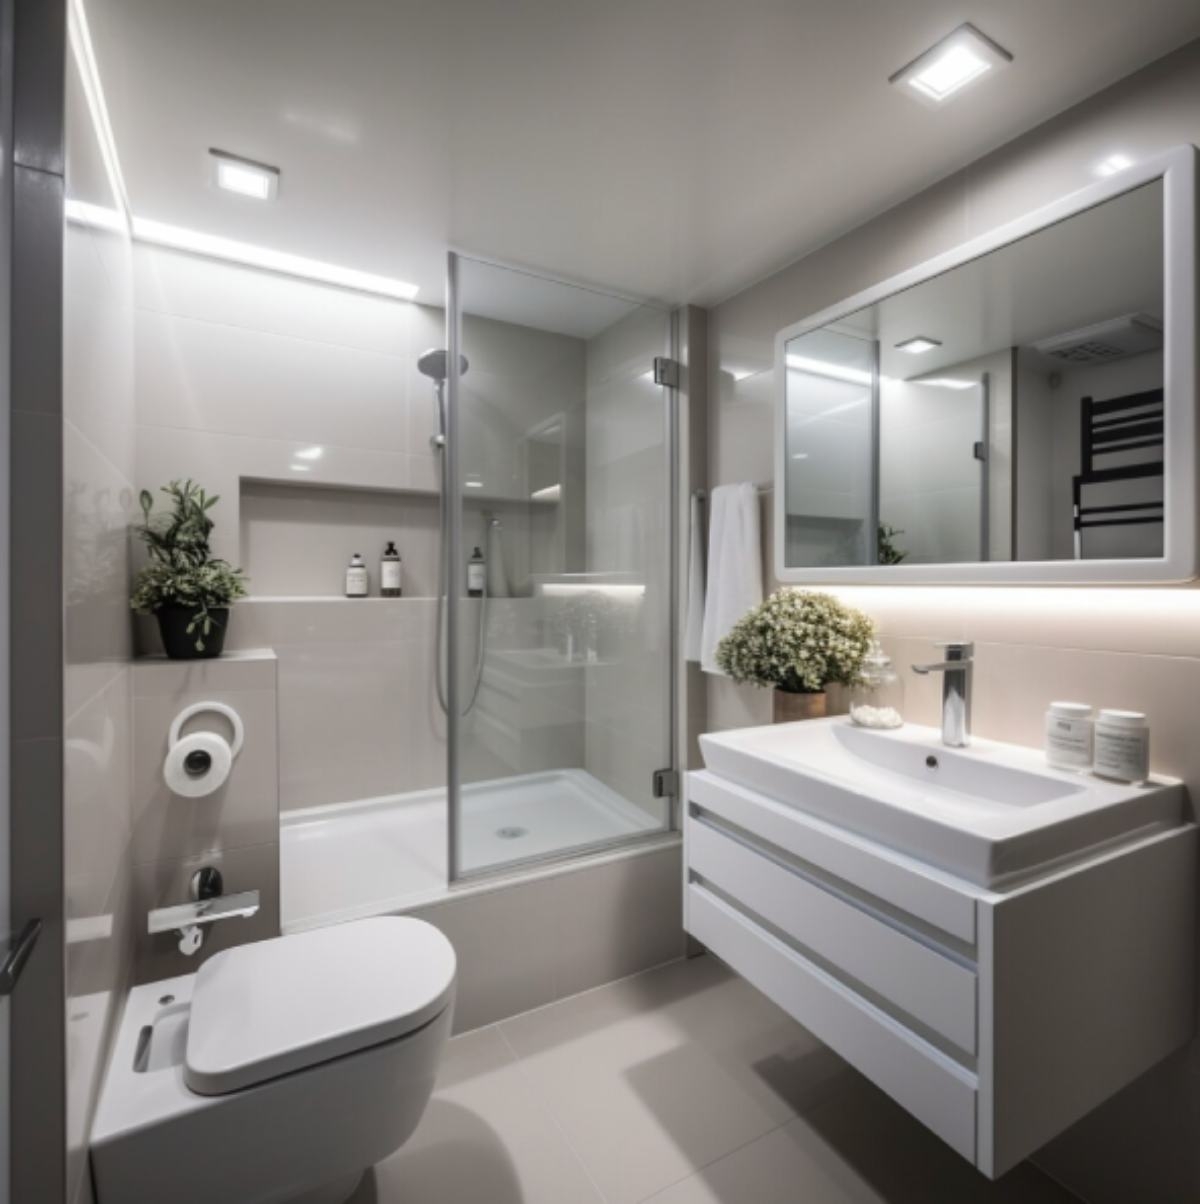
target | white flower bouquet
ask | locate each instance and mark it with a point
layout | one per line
(798, 641)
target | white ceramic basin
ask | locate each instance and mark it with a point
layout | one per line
(984, 813)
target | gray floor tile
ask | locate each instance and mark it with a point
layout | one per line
(485, 1139)
(659, 1075)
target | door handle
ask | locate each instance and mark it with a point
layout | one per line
(18, 954)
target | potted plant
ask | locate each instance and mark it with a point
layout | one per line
(183, 585)
(798, 642)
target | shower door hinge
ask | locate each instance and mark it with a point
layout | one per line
(664, 783)
(666, 371)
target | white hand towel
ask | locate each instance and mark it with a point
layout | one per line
(695, 582)
(734, 565)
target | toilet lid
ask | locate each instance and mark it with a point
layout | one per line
(269, 1008)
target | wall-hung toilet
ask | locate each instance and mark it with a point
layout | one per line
(279, 1072)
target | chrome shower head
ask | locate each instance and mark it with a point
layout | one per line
(435, 361)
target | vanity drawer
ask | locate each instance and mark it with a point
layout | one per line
(899, 881)
(936, 991)
(937, 1091)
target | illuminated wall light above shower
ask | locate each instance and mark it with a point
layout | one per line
(309, 453)
(947, 382)
(214, 247)
(245, 177)
(473, 482)
(552, 493)
(956, 61)
(570, 589)
(918, 345)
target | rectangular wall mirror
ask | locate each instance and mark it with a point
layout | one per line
(1021, 409)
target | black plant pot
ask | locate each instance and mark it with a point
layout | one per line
(179, 644)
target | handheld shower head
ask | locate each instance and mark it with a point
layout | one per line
(435, 361)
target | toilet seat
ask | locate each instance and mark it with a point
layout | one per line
(267, 1009)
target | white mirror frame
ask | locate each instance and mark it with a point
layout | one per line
(1177, 169)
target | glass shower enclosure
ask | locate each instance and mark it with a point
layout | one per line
(558, 592)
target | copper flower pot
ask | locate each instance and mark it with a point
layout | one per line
(790, 708)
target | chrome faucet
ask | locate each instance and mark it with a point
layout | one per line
(956, 691)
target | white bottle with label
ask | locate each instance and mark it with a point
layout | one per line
(1069, 733)
(1122, 746)
(358, 582)
(389, 572)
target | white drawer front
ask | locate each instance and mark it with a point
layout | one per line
(936, 991)
(928, 1084)
(896, 880)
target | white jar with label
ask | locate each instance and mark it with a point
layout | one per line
(1122, 746)
(1069, 735)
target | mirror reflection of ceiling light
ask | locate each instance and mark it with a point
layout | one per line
(957, 60)
(1112, 165)
(301, 468)
(198, 243)
(854, 376)
(473, 482)
(918, 345)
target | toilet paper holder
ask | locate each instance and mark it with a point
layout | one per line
(199, 764)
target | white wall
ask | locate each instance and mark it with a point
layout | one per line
(1138, 648)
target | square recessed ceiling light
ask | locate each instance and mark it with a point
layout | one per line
(245, 177)
(918, 345)
(954, 62)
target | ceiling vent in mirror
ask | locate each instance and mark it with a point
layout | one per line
(1115, 339)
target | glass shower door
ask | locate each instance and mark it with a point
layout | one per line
(559, 467)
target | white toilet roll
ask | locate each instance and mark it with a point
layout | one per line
(193, 784)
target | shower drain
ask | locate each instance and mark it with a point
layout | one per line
(513, 833)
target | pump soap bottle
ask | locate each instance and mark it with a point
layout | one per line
(357, 580)
(389, 571)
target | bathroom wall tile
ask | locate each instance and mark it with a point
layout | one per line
(230, 380)
(235, 670)
(344, 731)
(619, 918)
(220, 462)
(164, 883)
(507, 947)
(96, 799)
(245, 811)
(98, 334)
(190, 286)
(99, 506)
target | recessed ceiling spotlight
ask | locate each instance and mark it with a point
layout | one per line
(918, 345)
(1112, 165)
(957, 60)
(309, 453)
(245, 176)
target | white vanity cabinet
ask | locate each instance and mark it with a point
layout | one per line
(996, 1015)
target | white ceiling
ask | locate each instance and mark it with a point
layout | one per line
(675, 150)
